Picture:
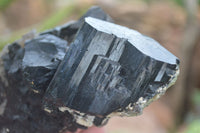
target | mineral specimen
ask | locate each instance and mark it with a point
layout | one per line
(80, 74)
(27, 66)
(109, 70)
(25, 75)
(41, 58)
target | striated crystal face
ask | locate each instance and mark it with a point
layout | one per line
(110, 69)
(80, 74)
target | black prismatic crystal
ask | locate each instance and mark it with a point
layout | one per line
(109, 68)
(80, 74)
(41, 58)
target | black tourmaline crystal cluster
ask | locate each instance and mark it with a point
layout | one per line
(79, 75)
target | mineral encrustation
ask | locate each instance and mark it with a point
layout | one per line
(80, 74)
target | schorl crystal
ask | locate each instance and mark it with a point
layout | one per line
(109, 70)
(80, 74)
(27, 67)
(41, 58)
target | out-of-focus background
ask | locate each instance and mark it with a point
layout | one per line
(174, 23)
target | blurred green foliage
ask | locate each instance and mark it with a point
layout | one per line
(51, 21)
(196, 98)
(5, 3)
(181, 2)
(62, 14)
(56, 18)
(193, 127)
(193, 120)
(178, 2)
